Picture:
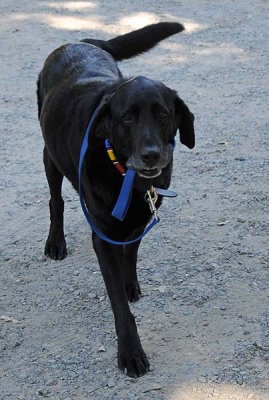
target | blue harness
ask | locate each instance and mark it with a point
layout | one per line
(124, 199)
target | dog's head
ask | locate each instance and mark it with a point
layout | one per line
(141, 122)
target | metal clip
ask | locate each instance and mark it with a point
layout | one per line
(151, 197)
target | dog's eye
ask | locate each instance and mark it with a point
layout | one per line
(163, 115)
(128, 118)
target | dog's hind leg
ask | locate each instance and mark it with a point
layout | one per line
(55, 246)
(131, 356)
(129, 272)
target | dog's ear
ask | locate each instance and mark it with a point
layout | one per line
(185, 124)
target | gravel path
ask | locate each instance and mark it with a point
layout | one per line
(204, 316)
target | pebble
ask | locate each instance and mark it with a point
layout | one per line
(222, 223)
(129, 379)
(110, 383)
(43, 392)
(236, 369)
(210, 267)
(87, 365)
(214, 378)
(190, 335)
(51, 382)
(239, 380)
(240, 159)
(187, 313)
(202, 379)
(5, 318)
(161, 289)
(153, 388)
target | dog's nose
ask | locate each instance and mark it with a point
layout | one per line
(151, 155)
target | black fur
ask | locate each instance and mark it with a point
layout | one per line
(141, 120)
(138, 41)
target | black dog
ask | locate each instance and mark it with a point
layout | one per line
(141, 120)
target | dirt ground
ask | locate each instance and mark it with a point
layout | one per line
(204, 314)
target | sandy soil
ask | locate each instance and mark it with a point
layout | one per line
(204, 316)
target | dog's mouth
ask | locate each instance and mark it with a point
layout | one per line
(149, 173)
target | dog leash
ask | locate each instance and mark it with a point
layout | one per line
(125, 195)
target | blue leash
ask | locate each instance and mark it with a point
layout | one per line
(125, 195)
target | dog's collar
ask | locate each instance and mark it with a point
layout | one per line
(114, 159)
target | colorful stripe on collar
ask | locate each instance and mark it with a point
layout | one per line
(114, 159)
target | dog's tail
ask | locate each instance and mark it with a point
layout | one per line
(133, 43)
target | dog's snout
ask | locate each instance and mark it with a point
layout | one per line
(151, 155)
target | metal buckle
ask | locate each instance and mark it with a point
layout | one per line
(151, 197)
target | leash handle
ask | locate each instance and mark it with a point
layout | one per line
(83, 150)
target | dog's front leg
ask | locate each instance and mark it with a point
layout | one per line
(129, 261)
(131, 356)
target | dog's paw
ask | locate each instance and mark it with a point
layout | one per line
(132, 360)
(133, 291)
(55, 251)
